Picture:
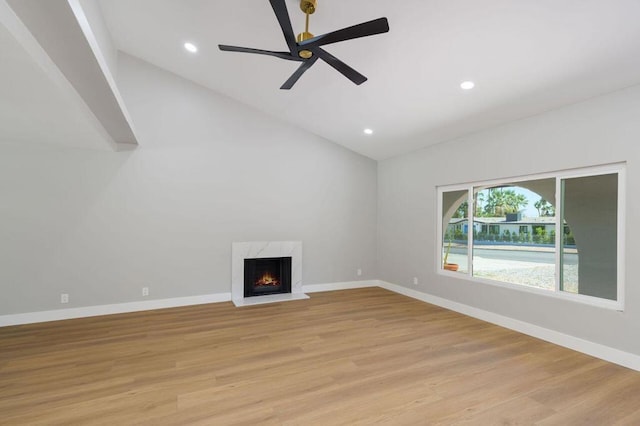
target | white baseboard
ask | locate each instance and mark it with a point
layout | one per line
(347, 285)
(597, 350)
(147, 305)
(120, 308)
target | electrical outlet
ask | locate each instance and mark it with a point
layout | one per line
(145, 291)
(415, 280)
(64, 298)
(359, 272)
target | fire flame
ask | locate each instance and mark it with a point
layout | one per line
(267, 280)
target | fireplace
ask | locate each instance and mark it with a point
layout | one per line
(267, 275)
(283, 281)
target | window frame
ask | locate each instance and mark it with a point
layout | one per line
(614, 168)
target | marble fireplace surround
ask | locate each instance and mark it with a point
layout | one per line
(260, 249)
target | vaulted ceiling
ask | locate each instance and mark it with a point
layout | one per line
(525, 57)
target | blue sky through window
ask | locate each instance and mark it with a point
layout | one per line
(532, 197)
(530, 210)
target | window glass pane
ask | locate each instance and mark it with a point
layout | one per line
(589, 246)
(569, 268)
(514, 233)
(455, 230)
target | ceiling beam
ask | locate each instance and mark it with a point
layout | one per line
(62, 30)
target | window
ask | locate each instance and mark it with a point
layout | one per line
(455, 241)
(559, 234)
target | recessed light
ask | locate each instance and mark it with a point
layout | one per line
(467, 85)
(191, 47)
(368, 131)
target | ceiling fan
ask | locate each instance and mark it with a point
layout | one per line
(306, 47)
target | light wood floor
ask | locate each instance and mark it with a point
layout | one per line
(347, 357)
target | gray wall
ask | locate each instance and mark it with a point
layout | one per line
(602, 130)
(209, 171)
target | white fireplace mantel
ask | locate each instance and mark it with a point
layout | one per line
(261, 249)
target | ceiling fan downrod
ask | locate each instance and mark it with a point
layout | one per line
(308, 7)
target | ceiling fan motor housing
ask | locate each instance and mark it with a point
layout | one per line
(306, 54)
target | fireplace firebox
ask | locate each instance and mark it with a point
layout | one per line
(267, 275)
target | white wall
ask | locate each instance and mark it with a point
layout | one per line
(602, 130)
(208, 171)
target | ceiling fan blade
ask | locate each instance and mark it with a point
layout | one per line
(340, 66)
(280, 9)
(282, 55)
(377, 26)
(296, 75)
